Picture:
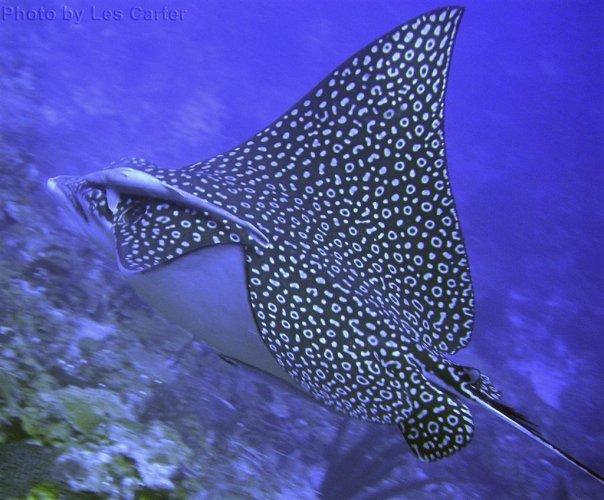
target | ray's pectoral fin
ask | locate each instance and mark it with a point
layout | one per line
(438, 425)
(150, 232)
(129, 180)
(155, 221)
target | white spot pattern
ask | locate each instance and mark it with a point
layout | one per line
(366, 282)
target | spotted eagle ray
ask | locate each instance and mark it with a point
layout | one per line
(326, 250)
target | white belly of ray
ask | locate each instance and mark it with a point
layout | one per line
(205, 293)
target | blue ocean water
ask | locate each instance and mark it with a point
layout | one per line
(525, 130)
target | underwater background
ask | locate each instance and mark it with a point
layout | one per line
(101, 398)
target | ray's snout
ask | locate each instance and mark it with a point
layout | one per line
(63, 189)
(54, 185)
(84, 206)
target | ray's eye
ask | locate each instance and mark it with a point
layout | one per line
(93, 200)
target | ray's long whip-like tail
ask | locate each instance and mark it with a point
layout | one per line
(525, 426)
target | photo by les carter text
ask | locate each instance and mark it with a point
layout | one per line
(92, 13)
